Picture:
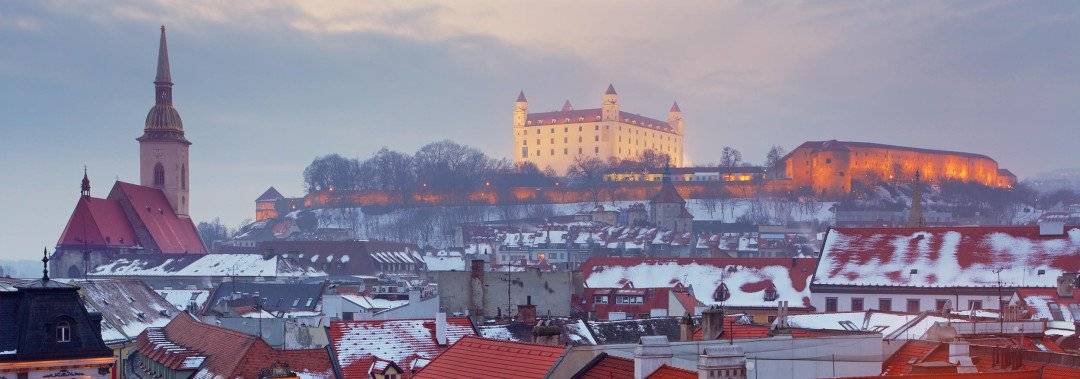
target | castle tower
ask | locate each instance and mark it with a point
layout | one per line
(521, 109)
(675, 118)
(163, 150)
(610, 105)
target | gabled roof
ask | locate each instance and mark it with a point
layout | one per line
(960, 256)
(224, 352)
(273, 297)
(670, 372)
(170, 232)
(746, 278)
(606, 366)
(98, 222)
(475, 357)
(667, 194)
(127, 307)
(358, 343)
(271, 194)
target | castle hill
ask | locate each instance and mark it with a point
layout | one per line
(401, 190)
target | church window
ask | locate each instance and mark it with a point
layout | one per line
(183, 176)
(159, 175)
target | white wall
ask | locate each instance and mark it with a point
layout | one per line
(899, 301)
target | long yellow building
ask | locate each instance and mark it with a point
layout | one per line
(556, 139)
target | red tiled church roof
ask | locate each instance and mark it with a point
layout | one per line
(98, 222)
(170, 232)
(475, 357)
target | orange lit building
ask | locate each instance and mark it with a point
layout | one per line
(830, 167)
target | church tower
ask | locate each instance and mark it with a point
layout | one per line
(163, 150)
(610, 105)
(675, 118)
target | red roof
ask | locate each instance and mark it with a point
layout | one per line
(733, 330)
(358, 344)
(475, 357)
(913, 351)
(171, 233)
(959, 256)
(669, 372)
(606, 366)
(98, 222)
(668, 194)
(227, 353)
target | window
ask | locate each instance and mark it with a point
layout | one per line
(628, 299)
(600, 299)
(159, 175)
(347, 316)
(183, 177)
(913, 306)
(941, 304)
(524, 152)
(596, 149)
(831, 304)
(884, 304)
(552, 151)
(552, 141)
(856, 304)
(596, 138)
(596, 127)
(975, 304)
(565, 151)
(63, 331)
(770, 293)
(565, 140)
(828, 160)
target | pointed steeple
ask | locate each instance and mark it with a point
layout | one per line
(521, 96)
(610, 90)
(85, 183)
(566, 107)
(163, 75)
(675, 107)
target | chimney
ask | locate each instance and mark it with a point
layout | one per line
(414, 296)
(527, 313)
(1065, 284)
(546, 333)
(723, 361)
(960, 355)
(477, 268)
(477, 291)
(650, 354)
(440, 328)
(712, 323)
(686, 327)
(1051, 228)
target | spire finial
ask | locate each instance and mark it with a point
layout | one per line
(610, 89)
(85, 183)
(44, 264)
(521, 96)
(163, 74)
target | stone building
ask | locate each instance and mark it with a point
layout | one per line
(667, 210)
(830, 167)
(481, 293)
(555, 139)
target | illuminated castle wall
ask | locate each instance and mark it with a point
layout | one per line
(830, 167)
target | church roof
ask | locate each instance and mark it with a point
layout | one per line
(170, 232)
(98, 222)
(163, 74)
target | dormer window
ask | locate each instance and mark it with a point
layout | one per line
(770, 294)
(63, 331)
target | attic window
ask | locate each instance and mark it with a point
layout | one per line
(770, 294)
(1042, 272)
(63, 331)
(914, 271)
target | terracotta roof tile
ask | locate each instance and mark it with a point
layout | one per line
(98, 222)
(669, 372)
(172, 233)
(606, 366)
(475, 357)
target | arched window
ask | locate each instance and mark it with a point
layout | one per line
(183, 176)
(63, 331)
(159, 175)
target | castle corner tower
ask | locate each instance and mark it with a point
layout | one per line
(163, 150)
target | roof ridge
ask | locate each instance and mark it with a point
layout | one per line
(508, 342)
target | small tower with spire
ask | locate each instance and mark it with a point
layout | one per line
(610, 105)
(675, 118)
(915, 218)
(566, 107)
(85, 187)
(521, 110)
(163, 149)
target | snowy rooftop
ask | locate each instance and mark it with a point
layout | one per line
(127, 307)
(205, 265)
(747, 279)
(947, 257)
(358, 343)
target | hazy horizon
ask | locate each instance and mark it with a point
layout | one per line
(265, 87)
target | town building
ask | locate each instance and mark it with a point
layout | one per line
(629, 302)
(475, 357)
(46, 332)
(755, 286)
(830, 167)
(202, 271)
(146, 218)
(939, 268)
(556, 139)
(188, 348)
(362, 348)
(667, 210)
(127, 308)
(489, 294)
(727, 174)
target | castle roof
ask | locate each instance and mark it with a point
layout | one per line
(847, 145)
(675, 107)
(575, 116)
(610, 90)
(521, 96)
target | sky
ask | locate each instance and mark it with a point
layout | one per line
(264, 87)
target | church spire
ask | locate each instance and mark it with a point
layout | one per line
(85, 183)
(163, 76)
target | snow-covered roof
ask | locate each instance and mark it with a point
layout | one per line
(183, 297)
(373, 303)
(205, 265)
(444, 262)
(358, 344)
(397, 257)
(947, 257)
(747, 279)
(127, 307)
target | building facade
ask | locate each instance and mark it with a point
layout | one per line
(556, 139)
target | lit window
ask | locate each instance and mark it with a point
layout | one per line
(63, 332)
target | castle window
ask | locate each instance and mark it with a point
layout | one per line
(596, 149)
(596, 138)
(565, 129)
(159, 175)
(552, 151)
(537, 141)
(565, 140)
(537, 130)
(579, 150)
(553, 129)
(596, 127)
(538, 153)
(524, 152)
(579, 127)
(828, 160)
(579, 138)
(552, 141)
(565, 151)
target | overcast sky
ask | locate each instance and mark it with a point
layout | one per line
(265, 87)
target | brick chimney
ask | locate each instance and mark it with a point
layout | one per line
(476, 290)
(477, 268)
(650, 354)
(686, 327)
(712, 323)
(722, 361)
(527, 314)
